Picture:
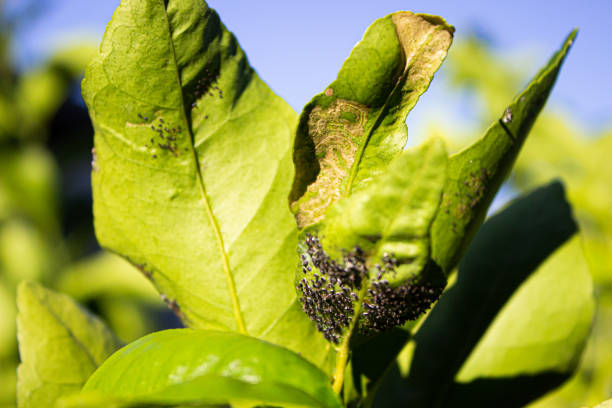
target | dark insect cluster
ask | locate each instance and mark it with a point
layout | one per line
(385, 307)
(328, 293)
(327, 296)
(207, 84)
(166, 137)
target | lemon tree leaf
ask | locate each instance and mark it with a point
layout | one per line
(186, 366)
(516, 320)
(192, 169)
(348, 134)
(394, 213)
(476, 173)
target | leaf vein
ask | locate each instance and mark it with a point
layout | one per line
(224, 256)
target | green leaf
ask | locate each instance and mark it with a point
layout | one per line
(192, 170)
(126, 299)
(186, 366)
(92, 400)
(372, 358)
(476, 173)
(511, 345)
(25, 252)
(538, 337)
(60, 345)
(348, 134)
(520, 310)
(394, 213)
(373, 249)
(559, 149)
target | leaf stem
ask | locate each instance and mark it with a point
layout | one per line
(342, 351)
(341, 361)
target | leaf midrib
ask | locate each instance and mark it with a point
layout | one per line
(80, 344)
(209, 213)
(380, 116)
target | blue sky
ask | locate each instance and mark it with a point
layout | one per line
(298, 47)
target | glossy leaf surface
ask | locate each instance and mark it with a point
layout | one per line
(60, 345)
(192, 170)
(476, 173)
(349, 133)
(196, 366)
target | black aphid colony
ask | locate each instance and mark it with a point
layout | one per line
(328, 292)
(207, 85)
(385, 307)
(327, 296)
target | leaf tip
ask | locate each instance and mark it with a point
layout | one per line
(571, 37)
(26, 290)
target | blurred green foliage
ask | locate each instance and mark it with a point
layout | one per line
(46, 231)
(558, 147)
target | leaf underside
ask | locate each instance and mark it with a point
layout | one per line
(192, 168)
(394, 213)
(369, 269)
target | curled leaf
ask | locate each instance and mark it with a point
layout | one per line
(348, 134)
